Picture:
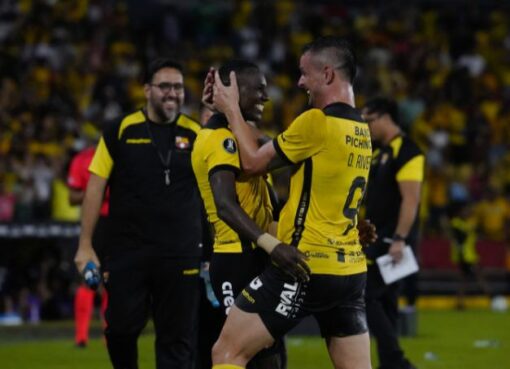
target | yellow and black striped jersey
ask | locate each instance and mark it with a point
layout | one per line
(216, 149)
(332, 150)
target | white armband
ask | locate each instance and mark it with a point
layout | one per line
(267, 242)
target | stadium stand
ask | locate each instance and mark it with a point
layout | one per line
(68, 67)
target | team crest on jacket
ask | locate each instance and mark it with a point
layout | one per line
(182, 142)
(384, 158)
(230, 145)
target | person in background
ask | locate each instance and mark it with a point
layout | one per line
(154, 220)
(463, 251)
(392, 202)
(77, 180)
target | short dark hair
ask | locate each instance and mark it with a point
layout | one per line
(158, 64)
(383, 105)
(239, 66)
(341, 55)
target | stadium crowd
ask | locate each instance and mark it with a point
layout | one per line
(66, 68)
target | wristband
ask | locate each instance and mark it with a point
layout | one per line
(267, 242)
(397, 237)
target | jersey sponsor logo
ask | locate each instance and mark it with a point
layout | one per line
(350, 257)
(332, 242)
(230, 145)
(248, 297)
(256, 284)
(317, 255)
(360, 138)
(228, 296)
(287, 299)
(361, 143)
(138, 141)
(182, 142)
(354, 257)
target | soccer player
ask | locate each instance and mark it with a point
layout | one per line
(393, 198)
(236, 206)
(330, 146)
(154, 223)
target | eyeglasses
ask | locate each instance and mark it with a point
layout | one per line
(167, 87)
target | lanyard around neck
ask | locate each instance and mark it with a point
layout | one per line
(165, 159)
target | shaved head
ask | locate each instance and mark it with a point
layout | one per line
(334, 52)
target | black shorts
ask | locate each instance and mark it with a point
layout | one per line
(231, 272)
(336, 302)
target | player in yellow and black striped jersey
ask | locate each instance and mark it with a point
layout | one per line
(320, 215)
(154, 223)
(237, 206)
(216, 150)
(330, 148)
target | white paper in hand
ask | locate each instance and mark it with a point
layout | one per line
(391, 271)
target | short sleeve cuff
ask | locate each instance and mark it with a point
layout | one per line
(280, 152)
(221, 167)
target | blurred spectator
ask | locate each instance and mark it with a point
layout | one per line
(493, 215)
(61, 209)
(463, 250)
(7, 204)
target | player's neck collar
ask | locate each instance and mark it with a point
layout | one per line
(217, 120)
(342, 110)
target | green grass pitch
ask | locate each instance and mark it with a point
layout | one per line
(446, 339)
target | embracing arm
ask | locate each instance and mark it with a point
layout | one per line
(289, 259)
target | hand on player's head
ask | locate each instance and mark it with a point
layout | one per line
(225, 98)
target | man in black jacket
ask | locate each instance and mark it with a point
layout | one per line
(392, 201)
(154, 223)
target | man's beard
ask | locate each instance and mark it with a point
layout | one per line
(166, 116)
